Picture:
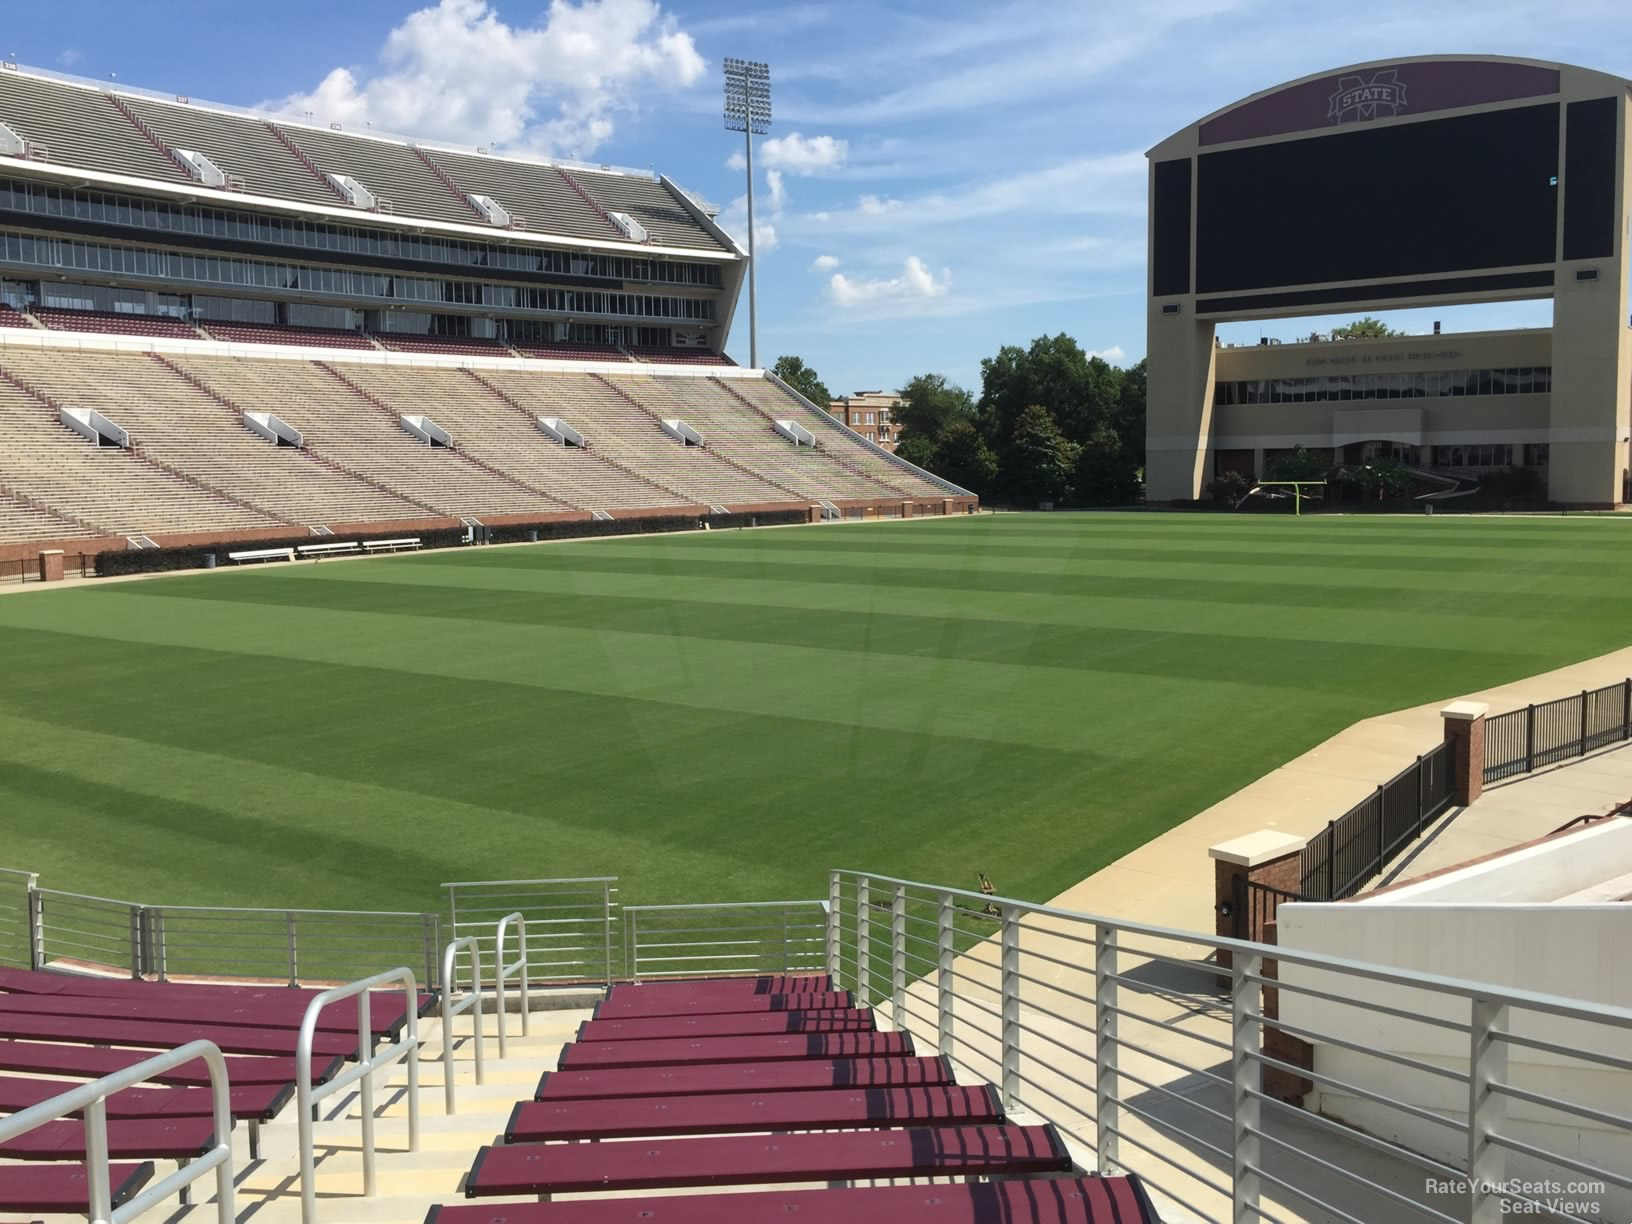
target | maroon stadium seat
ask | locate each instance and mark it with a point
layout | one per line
(792, 1076)
(776, 983)
(724, 1113)
(680, 1051)
(1075, 1200)
(61, 1189)
(734, 1024)
(251, 1101)
(634, 1007)
(164, 1035)
(47, 1059)
(142, 1139)
(641, 1164)
(239, 1013)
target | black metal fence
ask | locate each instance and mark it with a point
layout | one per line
(27, 569)
(1254, 905)
(1352, 850)
(1538, 735)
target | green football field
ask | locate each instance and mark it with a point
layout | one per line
(727, 715)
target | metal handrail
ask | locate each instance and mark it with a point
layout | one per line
(91, 1100)
(716, 950)
(1037, 1051)
(503, 973)
(367, 1064)
(450, 1009)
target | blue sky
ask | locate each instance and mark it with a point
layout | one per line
(941, 179)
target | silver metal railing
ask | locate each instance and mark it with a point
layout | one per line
(17, 923)
(1170, 1054)
(91, 1101)
(472, 1002)
(40, 927)
(369, 1061)
(503, 972)
(572, 924)
(724, 938)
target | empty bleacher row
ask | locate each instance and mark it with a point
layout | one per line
(121, 132)
(57, 1029)
(742, 1082)
(194, 467)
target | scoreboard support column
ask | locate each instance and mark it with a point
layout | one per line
(1179, 404)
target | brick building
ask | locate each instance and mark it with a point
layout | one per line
(871, 414)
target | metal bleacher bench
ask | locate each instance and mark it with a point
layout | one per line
(325, 550)
(263, 554)
(391, 545)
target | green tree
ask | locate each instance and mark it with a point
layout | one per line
(1229, 489)
(1041, 460)
(963, 457)
(1078, 391)
(1367, 328)
(924, 451)
(930, 405)
(1107, 474)
(793, 371)
(1299, 464)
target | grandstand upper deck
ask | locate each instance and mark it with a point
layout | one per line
(122, 131)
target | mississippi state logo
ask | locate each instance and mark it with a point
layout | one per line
(1358, 99)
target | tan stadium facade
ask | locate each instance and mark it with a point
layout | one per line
(1403, 183)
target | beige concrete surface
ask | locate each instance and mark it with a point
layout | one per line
(1169, 880)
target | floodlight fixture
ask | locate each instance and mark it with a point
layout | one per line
(748, 110)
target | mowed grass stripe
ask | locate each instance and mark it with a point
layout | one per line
(923, 699)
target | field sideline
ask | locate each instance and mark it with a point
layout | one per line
(728, 715)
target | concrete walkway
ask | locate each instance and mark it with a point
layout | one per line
(1169, 880)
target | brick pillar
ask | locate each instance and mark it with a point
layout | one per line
(906, 510)
(1465, 733)
(1266, 857)
(815, 514)
(1283, 1085)
(51, 565)
(946, 505)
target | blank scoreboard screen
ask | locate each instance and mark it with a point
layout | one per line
(1445, 195)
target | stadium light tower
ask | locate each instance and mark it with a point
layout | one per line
(748, 110)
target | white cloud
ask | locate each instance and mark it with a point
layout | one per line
(872, 206)
(455, 71)
(800, 154)
(69, 57)
(915, 282)
(736, 162)
(824, 263)
(1114, 354)
(733, 219)
(779, 196)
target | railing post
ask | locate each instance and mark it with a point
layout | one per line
(1246, 1079)
(945, 950)
(159, 952)
(1331, 861)
(365, 1043)
(864, 944)
(1382, 827)
(294, 959)
(606, 928)
(99, 1192)
(1626, 708)
(427, 927)
(1582, 751)
(36, 926)
(835, 898)
(1011, 1008)
(1107, 1115)
(898, 957)
(1529, 738)
(1487, 1110)
(1421, 804)
(136, 942)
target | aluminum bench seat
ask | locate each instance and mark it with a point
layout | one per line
(769, 984)
(85, 1062)
(722, 1160)
(241, 1013)
(794, 1075)
(128, 1138)
(727, 1113)
(635, 1006)
(681, 1051)
(164, 1035)
(249, 1102)
(61, 1189)
(741, 1024)
(1061, 1200)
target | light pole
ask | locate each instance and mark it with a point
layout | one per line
(748, 110)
